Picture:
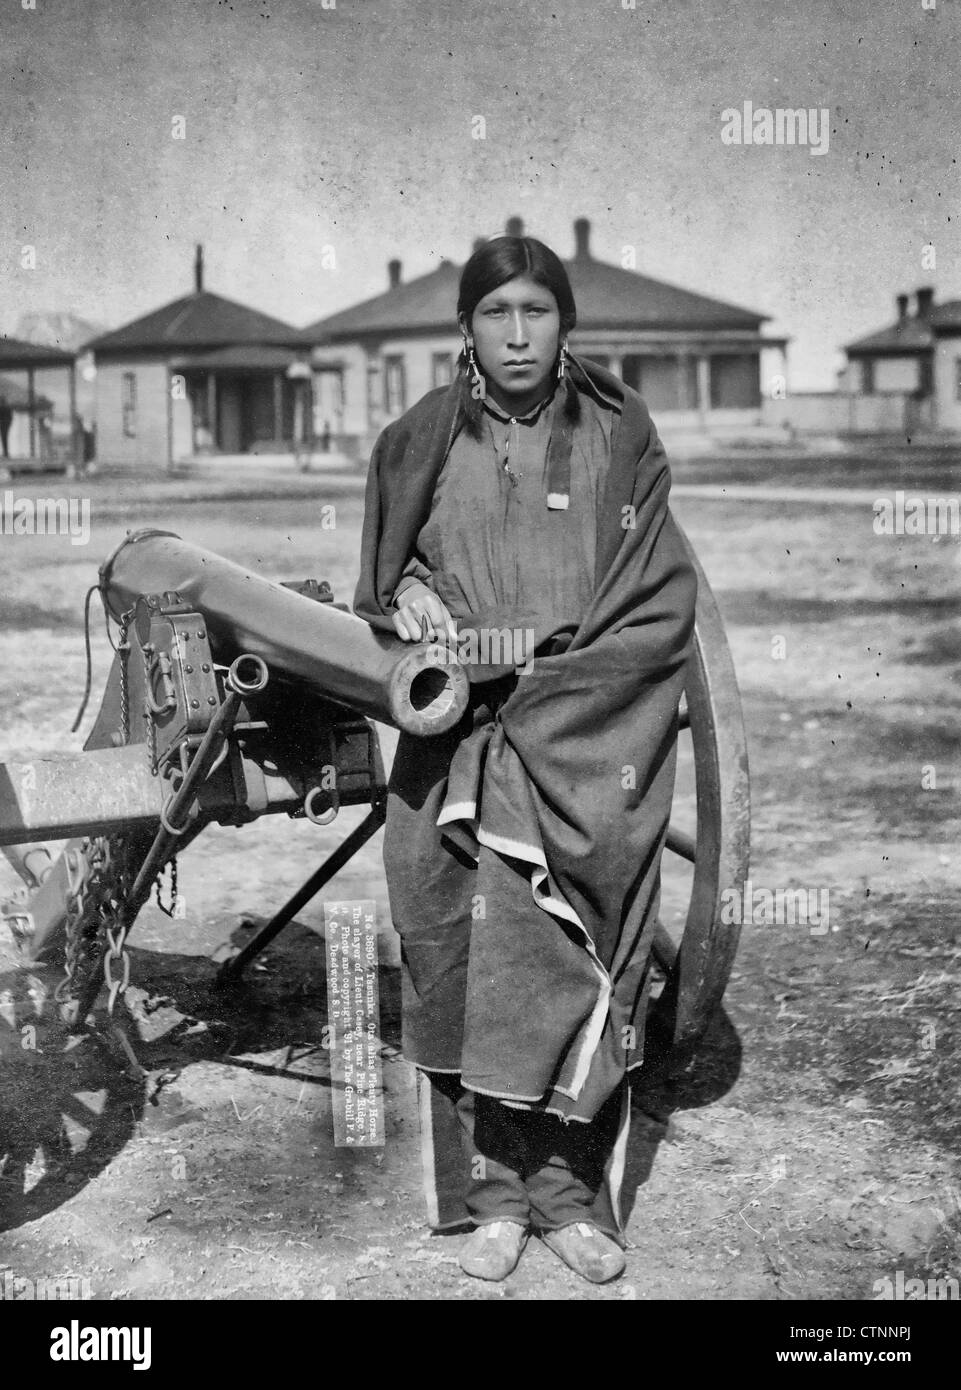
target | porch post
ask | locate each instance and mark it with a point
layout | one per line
(371, 385)
(682, 360)
(703, 386)
(31, 401)
(278, 407)
(76, 437)
(212, 408)
(299, 414)
(309, 413)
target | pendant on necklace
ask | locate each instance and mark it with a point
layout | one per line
(514, 477)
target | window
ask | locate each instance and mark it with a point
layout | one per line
(926, 375)
(735, 381)
(668, 382)
(373, 387)
(395, 386)
(442, 369)
(128, 403)
(867, 376)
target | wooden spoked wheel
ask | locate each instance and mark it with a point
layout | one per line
(693, 948)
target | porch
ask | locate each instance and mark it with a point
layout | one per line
(33, 438)
(240, 400)
(709, 380)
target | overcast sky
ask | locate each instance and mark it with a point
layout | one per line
(309, 127)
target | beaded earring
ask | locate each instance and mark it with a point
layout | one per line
(562, 362)
(479, 386)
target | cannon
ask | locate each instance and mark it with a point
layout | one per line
(232, 697)
(229, 697)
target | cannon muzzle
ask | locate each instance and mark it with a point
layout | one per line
(419, 688)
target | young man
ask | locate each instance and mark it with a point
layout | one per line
(522, 848)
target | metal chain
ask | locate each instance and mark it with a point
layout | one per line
(116, 951)
(96, 886)
(98, 882)
(123, 647)
(76, 893)
(88, 883)
(97, 929)
(117, 925)
(148, 651)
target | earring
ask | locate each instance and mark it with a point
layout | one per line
(562, 361)
(479, 387)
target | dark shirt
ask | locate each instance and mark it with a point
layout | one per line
(491, 549)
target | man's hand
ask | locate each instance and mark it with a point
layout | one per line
(421, 613)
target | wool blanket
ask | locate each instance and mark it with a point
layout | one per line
(522, 848)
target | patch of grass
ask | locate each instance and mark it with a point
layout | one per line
(25, 615)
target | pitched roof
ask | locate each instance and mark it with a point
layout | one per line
(908, 335)
(198, 320)
(16, 355)
(913, 334)
(947, 316)
(427, 303)
(241, 356)
(607, 297)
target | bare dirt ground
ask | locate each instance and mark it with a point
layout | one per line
(811, 1148)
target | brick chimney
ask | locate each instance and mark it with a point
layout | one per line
(199, 270)
(514, 226)
(902, 307)
(925, 302)
(393, 274)
(582, 239)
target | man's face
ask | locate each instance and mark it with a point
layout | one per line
(516, 331)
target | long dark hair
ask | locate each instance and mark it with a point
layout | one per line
(492, 265)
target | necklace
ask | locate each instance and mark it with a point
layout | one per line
(512, 423)
(505, 464)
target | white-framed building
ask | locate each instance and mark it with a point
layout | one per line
(27, 409)
(907, 376)
(202, 375)
(695, 360)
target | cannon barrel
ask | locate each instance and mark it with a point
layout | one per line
(414, 687)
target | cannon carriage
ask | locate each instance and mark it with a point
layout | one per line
(231, 697)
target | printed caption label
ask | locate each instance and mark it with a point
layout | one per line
(353, 1013)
